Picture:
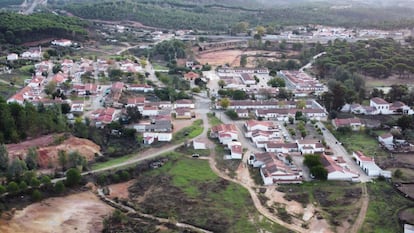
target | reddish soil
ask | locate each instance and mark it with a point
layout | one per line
(48, 153)
(216, 58)
(82, 212)
(120, 190)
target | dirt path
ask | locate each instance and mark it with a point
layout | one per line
(363, 211)
(132, 211)
(262, 210)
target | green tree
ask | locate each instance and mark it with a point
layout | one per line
(239, 95)
(34, 182)
(36, 195)
(50, 87)
(224, 103)
(312, 160)
(398, 174)
(319, 172)
(22, 186)
(62, 158)
(12, 187)
(232, 114)
(124, 175)
(57, 68)
(73, 177)
(31, 159)
(59, 187)
(16, 168)
(221, 83)
(46, 180)
(243, 60)
(4, 158)
(276, 82)
(2, 189)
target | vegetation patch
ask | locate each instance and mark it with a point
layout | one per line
(338, 200)
(360, 141)
(383, 208)
(205, 200)
(189, 132)
(213, 120)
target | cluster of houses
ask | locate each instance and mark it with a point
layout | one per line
(227, 135)
(277, 110)
(302, 84)
(379, 106)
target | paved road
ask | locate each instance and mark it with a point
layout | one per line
(339, 150)
(311, 61)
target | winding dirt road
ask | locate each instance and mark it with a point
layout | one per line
(363, 211)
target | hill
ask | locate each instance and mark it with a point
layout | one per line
(220, 14)
(17, 28)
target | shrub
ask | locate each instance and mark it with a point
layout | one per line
(2, 189)
(22, 186)
(59, 187)
(12, 187)
(73, 177)
(36, 195)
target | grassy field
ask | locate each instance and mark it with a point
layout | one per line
(360, 141)
(383, 208)
(187, 190)
(189, 132)
(111, 162)
(213, 120)
(339, 201)
(157, 66)
(7, 91)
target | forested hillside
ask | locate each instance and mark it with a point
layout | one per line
(377, 58)
(220, 15)
(17, 28)
(6, 3)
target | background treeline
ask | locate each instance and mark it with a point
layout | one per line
(19, 122)
(17, 28)
(377, 58)
(220, 15)
(6, 3)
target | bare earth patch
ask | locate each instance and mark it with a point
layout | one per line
(217, 58)
(82, 212)
(120, 190)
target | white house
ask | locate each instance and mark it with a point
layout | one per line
(386, 139)
(281, 147)
(369, 166)
(34, 53)
(273, 170)
(12, 57)
(253, 125)
(242, 113)
(354, 123)
(184, 103)
(62, 42)
(310, 146)
(140, 87)
(337, 172)
(380, 104)
(159, 136)
(236, 152)
(225, 133)
(149, 111)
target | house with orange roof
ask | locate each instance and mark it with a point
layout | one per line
(337, 172)
(191, 76)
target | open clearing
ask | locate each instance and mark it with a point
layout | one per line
(187, 190)
(383, 208)
(82, 212)
(216, 58)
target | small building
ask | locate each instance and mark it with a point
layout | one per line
(199, 145)
(236, 152)
(337, 172)
(12, 57)
(184, 113)
(354, 123)
(386, 139)
(242, 113)
(310, 146)
(191, 76)
(184, 103)
(369, 166)
(62, 42)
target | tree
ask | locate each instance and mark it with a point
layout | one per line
(36, 195)
(221, 83)
(2, 189)
(50, 87)
(301, 104)
(73, 177)
(276, 82)
(243, 60)
(57, 68)
(232, 114)
(34, 182)
(4, 158)
(224, 103)
(239, 95)
(59, 187)
(143, 62)
(45, 180)
(260, 30)
(124, 175)
(319, 172)
(62, 159)
(16, 168)
(31, 159)
(312, 160)
(134, 114)
(12, 187)
(22, 186)
(298, 115)
(240, 27)
(405, 122)
(284, 94)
